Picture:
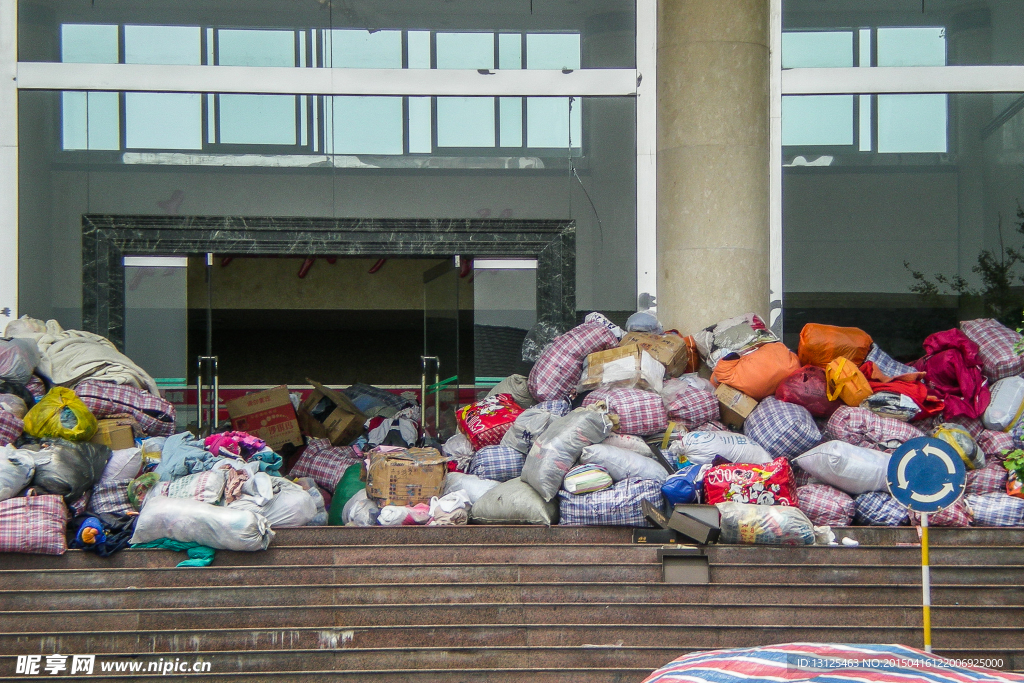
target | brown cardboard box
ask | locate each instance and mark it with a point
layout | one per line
(668, 349)
(624, 366)
(336, 419)
(735, 405)
(405, 477)
(269, 415)
(115, 432)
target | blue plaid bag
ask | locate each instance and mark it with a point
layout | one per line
(619, 505)
(878, 508)
(498, 463)
(996, 509)
(886, 363)
(785, 430)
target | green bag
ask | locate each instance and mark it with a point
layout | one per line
(353, 481)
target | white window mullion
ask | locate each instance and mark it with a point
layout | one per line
(8, 162)
(646, 149)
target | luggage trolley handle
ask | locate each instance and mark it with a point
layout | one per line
(212, 364)
(423, 394)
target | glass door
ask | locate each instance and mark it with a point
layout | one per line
(440, 360)
(156, 326)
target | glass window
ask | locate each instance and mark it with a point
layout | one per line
(465, 122)
(88, 43)
(163, 120)
(938, 212)
(420, 126)
(511, 118)
(552, 51)
(465, 50)
(817, 120)
(550, 123)
(419, 49)
(162, 45)
(366, 50)
(90, 120)
(911, 47)
(817, 49)
(247, 47)
(510, 51)
(257, 119)
(368, 125)
(912, 123)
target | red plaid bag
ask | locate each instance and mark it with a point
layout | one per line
(485, 422)
(995, 347)
(993, 443)
(557, 372)
(861, 427)
(688, 405)
(11, 427)
(640, 412)
(106, 399)
(770, 484)
(80, 505)
(956, 515)
(36, 387)
(713, 426)
(33, 524)
(325, 463)
(825, 505)
(988, 479)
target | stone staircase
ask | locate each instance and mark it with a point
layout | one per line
(461, 604)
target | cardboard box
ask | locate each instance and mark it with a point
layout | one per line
(701, 523)
(328, 414)
(624, 366)
(406, 476)
(115, 432)
(735, 405)
(269, 415)
(668, 349)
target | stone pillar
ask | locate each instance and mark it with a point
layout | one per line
(713, 161)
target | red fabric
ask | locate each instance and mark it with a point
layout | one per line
(806, 387)
(770, 484)
(953, 374)
(908, 385)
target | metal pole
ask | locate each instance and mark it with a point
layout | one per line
(926, 584)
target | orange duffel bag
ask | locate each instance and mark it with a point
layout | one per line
(758, 373)
(845, 381)
(822, 344)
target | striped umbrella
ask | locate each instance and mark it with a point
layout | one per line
(827, 663)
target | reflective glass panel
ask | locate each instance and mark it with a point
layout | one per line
(163, 120)
(549, 122)
(236, 47)
(89, 43)
(817, 120)
(912, 123)
(162, 45)
(552, 51)
(817, 49)
(366, 50)
(420, 125)
(510, 51)
(368, 125)
(419, 49)
(257, 119)
(90, 120)
(911, 47)
(465, 50)
(465, 122)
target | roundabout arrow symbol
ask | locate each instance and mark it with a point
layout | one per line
(901, 473)
(931, 450)
(946, 489)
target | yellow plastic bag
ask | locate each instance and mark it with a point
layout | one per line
(60, 415)
(845, 381)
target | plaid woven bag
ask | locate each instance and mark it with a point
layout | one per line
(993, 443)
(783, 429)
(497, 463)
(557, 372)
(825, 505)
(33, 524)
(106, 399)
(996, 509)
(878, 508)
(11, 427)
(989, 479)
(111, 496)
(886, 364)
(620, 505)
(640, 412)
(692, 407)
(324, 463)
(995, 347)
(861, 427)
(956, 515)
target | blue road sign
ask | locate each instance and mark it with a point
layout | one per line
(926, 475)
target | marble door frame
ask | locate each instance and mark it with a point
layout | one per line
(107, 239)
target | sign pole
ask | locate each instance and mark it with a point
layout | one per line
(926, 584)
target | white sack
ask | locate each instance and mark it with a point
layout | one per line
(701, 448)
(623, 464)
(849, 468)
(1004, 408)
(191, 521)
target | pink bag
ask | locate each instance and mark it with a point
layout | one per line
(640, 412)
(861, 427)
(557, 372)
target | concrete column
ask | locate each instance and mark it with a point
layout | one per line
(713, 160)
